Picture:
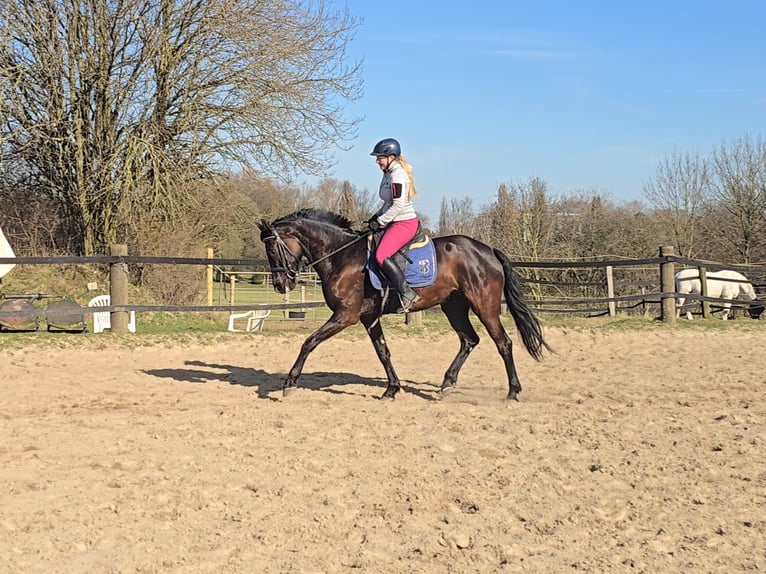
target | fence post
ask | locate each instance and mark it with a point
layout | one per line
(286, 299)
(610, 290)
(703, 292)
(668, 286)
(209, 278)
(414, 319)
(118, 289)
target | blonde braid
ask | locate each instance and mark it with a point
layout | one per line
(408, 169)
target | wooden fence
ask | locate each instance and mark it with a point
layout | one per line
(629, 286)
(590, 288)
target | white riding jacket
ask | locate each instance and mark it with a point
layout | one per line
(395, 193)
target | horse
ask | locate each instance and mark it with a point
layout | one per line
(471, 276)
(723, 284)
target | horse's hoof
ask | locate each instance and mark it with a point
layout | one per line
(389, 395)
(287, 391)
(512, 398)
(444, 391)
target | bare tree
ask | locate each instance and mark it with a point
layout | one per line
(740, 194)
(361, 202)
(457, 216)
(636, 231)
(115, 108)
(348, 205)
(523, 218)
(504, 220)
(341, 196)
(522, 221)
(678, 192)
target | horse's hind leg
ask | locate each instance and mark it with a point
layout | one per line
(680, 303)
(504, 346)
(456, 308)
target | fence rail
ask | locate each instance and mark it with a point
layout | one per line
(650, 281)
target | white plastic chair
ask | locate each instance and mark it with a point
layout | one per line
(103, 320)
(254, 320)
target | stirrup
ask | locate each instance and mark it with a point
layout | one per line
(407, 303)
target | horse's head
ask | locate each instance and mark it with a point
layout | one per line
(284, 253)
(313, 234)
(756, 308)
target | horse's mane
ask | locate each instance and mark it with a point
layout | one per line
(320, 215)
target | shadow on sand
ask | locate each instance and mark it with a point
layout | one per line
(269, 385)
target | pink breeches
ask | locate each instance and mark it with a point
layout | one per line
(397, 234)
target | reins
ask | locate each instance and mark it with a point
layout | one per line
(283, 249)
(338, 250)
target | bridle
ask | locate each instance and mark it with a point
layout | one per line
(283, 250)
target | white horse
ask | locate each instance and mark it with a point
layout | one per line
(721, 285)
(5, 251)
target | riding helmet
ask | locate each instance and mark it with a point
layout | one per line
(386, 147)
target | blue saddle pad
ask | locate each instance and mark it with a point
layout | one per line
(420, 273)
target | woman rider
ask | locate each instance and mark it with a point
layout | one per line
(397, 216)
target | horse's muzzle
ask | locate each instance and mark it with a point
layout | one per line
(282, 283)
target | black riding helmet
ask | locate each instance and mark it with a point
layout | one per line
(387, 147)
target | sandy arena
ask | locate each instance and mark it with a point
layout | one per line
(637, 451)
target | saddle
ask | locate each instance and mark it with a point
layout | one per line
(417, 259)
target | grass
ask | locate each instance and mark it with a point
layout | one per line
(174, 329)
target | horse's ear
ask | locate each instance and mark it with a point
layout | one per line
(263, 225)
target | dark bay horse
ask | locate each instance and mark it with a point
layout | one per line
(471, 277)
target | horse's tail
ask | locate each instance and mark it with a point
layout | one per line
(750, 291)
(527, 324)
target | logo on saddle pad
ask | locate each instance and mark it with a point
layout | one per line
(420, 269)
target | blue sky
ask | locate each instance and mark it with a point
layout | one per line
(585, 95)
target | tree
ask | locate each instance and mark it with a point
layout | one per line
(116, 109)
(456, 216)
(521, 223)
(342, 197)
(522, 218)
(678, 191)
(503, 218)
(739, 191)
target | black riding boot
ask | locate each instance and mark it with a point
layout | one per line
(396, 278)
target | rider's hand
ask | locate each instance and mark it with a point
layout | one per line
(374, 224)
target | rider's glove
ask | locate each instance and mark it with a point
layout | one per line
(374, 224)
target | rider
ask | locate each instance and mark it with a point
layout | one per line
(397, 216)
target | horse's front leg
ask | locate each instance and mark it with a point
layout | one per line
(375, 331)
(333, 326)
